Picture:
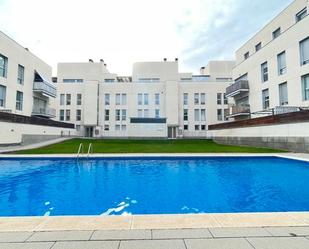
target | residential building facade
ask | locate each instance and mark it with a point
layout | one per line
(156, 101)
(272, 68)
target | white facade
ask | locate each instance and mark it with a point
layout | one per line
(150, 103)
(272, 68)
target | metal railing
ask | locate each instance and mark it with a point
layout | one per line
(240, 109)
(45, 88)
(43, 111)
(80, 150)
(90, 149)
(237, 87)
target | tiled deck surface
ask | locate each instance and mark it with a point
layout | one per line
(206, 238)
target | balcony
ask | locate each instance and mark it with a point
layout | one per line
(43, 86)
(237, 88)
(45, 112)
(240, 110)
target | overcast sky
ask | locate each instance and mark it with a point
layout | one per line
(125, 31)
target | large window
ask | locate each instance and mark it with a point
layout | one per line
(68, 102)
(283, 94)
(264, 72)
(258, 46)
(203, 98)
(301, 14)
(265, 99)
(219, 115)
(196, 115)
(117, 116)
(196, 98)
(78, 115)
(276, 33)
(61, 115)
(304, 51)
(2, 95)
(106, 115)
(79, 99)
(146, 98)
(185, 114)
(107, 99)
(67, 115)
(225, 100)
(21, 74)
(305, 87)
(281, 60)
(62, 98)
(219, 98)
(124, 99)
(157, 113)
(140, 99)
(185, 99)
(3, 65)
(118, 99)
(19, 101)
(123, 114)
(203, 115)
(157, 99)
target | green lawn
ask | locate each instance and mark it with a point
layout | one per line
(144, 146)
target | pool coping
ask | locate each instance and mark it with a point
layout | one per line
(170, 221)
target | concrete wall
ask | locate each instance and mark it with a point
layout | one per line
(12, 133)
(292, 137)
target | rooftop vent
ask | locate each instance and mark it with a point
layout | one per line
(164, 59)
(202, 67)
(176, 59)
(90, 60)
(105, 64)
(101, 60)
(27, 49)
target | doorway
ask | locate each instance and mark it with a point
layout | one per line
(89, 132)
(171, 132)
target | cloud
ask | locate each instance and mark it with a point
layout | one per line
(122, 32)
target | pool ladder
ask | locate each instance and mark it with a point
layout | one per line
(81, 150)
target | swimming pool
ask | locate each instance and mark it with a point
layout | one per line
(171, 185)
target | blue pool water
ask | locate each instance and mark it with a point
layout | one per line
(152, 186)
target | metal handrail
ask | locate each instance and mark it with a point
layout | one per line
(80, 149)
(90, 149)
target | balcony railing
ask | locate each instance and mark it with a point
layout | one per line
(240, 110)
(237, 88)
(44, 112)
(45, 88)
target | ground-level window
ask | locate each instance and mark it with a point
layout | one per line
(106, 127)
(19, 101)
(157, 113)
(123, 127)
(197, 127)
(185, 114)
(2, 95)
(185, 127)
(305, 87)
(219, 98)
(117, 116)
(77, 127)
(67, 115)
(283, 94)
(203, 127)
(117, 127)
(78, 115)
(106, 115)
(219, 114)
(265, 99)
(61, 115)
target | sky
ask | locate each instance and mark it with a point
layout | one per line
(126, 31)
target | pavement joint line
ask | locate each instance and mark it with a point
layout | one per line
(209, 230)
(53, 245)
(32, 233)
(151, 234)
(184, 242)
(119, 244)
(250, 243)
(91, 235)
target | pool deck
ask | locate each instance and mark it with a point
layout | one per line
(191, 231)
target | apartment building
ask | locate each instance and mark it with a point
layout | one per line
(155, 101)
(27, 94)
(272, 68)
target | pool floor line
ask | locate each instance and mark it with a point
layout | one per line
(140, 222)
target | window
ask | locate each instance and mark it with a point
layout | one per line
(21, 74)
(140, 113)
(258, 47)
(140, 99)
(246, 55)
(265, 99)
(186, 127)
(117, 127)
(305, 87)
(106, 115)
(61, 115)
(157, 113)
(225, 101)
(2, 95)
(79, 99)
(219, 115)
(106, 127)
(3, 66)
(123, 127)
(146, 113)
(276, 33)
(203, 98)
(146, 100)
(124, 99)
(62, 97)
(185, 114)
(283, 94)
(185, 99)
(226, 114)
(19, 101)
(107, 99)
(281, 60)
(197, 127)
(157, 99)
(109, 80)
(196, 115)
(219, 98)
(304, 51)
(67, 115)
(264, 72)
(78, 115)
(73, 80)
(196, 98)
(118, 99)
(203, 127)
(203, 115)
(117, 116)
(68, 99)
(123, 114)
(301, 14)
(77, 127)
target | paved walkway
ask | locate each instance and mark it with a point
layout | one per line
(212, 238)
